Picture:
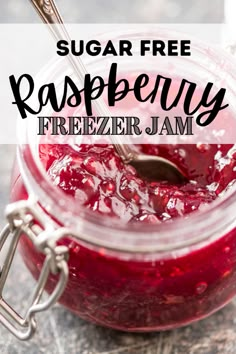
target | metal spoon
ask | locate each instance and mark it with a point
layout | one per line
(152, 168)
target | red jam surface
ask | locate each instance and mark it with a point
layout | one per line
(96, 177)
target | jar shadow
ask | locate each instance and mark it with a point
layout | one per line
(215, 334)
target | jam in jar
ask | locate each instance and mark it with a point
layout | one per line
(151, 291)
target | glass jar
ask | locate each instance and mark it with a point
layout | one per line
(127, 277)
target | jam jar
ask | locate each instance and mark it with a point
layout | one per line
(135, 273)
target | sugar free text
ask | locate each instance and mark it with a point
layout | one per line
(121, 48)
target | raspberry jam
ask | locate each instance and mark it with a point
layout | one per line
(139, 294)
(96, 177)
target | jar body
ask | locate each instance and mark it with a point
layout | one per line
(126, 293)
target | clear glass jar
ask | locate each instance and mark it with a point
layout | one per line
(133, 278)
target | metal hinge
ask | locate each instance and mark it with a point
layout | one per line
(26, 218)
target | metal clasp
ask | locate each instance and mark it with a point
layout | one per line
(26, 218)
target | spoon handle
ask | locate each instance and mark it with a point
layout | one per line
(50, 15)
(48, 11)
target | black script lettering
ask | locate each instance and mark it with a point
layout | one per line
(89, 89)
(216, 101)
(141, 81)
(113, 84)
(19, 101)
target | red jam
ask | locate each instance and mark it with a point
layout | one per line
(122, 292)
(96, 177)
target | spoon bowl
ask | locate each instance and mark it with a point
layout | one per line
(154, 168)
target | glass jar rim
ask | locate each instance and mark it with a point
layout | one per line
(212, 222)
